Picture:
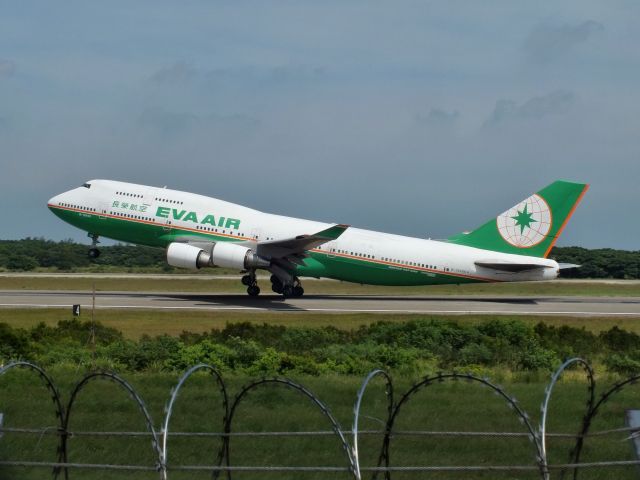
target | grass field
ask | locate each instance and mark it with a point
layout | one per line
(233, 285)
(442, 407)
(450, 407)
(135, 323)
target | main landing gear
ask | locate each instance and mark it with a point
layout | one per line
(252, 284)
(93, 251)
(287, 290)
(293, 289)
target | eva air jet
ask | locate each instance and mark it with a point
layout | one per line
(199, 231)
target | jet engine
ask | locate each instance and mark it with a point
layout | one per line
(222, 254)
(183, 255)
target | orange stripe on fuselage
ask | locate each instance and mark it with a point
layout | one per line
(344, 255)
(409, 267)
(148, 222)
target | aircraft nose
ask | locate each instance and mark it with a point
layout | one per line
(54, 201)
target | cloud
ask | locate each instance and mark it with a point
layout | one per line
(164, 122)
(276, 72)
(196, 80)
(296, 72)
(291, 88)
(546, 42)
(179, 72)
(7, 68)
(438, 118)
(182, 72)
(554, 103)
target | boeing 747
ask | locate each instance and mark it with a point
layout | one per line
(199, 231)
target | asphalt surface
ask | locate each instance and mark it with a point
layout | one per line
(454, 305)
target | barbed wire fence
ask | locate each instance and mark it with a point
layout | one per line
(349, 439)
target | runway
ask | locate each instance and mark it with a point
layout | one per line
(451, 305)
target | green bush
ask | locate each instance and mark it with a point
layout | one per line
(271, 362)
(205, 351)
(622, 364)
(568, 341)
(415, 347)
(476, 354)
(14, 344)
(618, 340)
(20, 262)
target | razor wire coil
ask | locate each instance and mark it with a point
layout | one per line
(347, 439)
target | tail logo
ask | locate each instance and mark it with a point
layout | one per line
(527, 224)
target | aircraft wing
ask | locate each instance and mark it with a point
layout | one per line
(293, 249)
(511, 267)
(287, 252)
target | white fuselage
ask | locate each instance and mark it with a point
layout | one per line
(188, 214)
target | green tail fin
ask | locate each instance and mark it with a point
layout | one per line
(532, 226)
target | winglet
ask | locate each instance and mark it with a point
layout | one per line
(332, 233)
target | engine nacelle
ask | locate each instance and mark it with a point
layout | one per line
(183, 255)
(223, 254)
(238, 257)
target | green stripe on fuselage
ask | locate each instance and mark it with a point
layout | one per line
(356, 270)
(131, 230)
(318, 264)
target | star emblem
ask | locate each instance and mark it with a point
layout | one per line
(523, 219)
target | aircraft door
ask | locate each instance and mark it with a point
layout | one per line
(152, 204)
(255, 234)
(164, 231)
(166, 227)
(103, 209)
(147, 204)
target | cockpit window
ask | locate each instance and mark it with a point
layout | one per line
(86, 185)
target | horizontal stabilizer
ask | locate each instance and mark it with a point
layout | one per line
(511, 267)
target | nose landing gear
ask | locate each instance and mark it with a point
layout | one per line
(94, 252)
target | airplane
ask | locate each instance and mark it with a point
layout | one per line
(199, 231)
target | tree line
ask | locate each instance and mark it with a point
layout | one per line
(37, 253)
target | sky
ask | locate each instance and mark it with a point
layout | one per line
(422, 118)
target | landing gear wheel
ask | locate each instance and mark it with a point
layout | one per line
(93, 251)
(250, 281)
(253, 290)
(298, 291)
(287, 291)
(276, 284)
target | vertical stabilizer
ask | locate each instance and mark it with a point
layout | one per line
(531, 227)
